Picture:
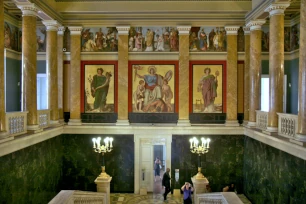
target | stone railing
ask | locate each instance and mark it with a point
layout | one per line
(43, 118)
(16, 123)
(261, 120)
(217, 198)
(287, 125)
(79, 197)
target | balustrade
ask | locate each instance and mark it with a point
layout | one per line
(16, 123)
(287, 125)
(261, 120)
(43, 118)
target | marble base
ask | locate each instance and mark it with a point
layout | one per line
(300, 137)
(183, 123)
(232, 123)
(143, 191)
(199, 184)
(75, 122)
(251, 124)
(270, 131)
(103, 186)
(54, 122)
(245, 123)
(123, 122)
(34, 129)
(4, 137)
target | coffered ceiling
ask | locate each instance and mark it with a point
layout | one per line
(142, 12)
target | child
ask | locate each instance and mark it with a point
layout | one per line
(140, 95)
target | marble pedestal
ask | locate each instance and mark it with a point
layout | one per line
(103, 186)
(199, 184)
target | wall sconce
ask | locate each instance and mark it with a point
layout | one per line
(199, 149)
(107, 147)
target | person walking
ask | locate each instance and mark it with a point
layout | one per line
(166, 183)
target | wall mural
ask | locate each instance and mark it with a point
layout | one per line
(295, 37)
(99, 88)
(207, 88)
(153, 88)
(207, 39)
(41, 39)
(148, 39)
(12, 37)
(104, 39)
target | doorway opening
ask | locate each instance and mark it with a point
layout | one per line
(159, 154)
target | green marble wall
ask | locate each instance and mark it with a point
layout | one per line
(81, 165)
(33, 174)
(222, 165)
(272, 176)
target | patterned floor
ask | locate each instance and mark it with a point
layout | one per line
(118, 198)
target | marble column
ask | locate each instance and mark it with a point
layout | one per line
(246, 73)
(75, 76)
(51, 60)
(183, 115)
(60, 72)
(29, 18)
(301, 133)
(3, 131)
(123, 65)
(276, 63)
(255, 69)
(231, 76)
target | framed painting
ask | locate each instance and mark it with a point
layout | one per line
(208, 87)
(153, 87)
(99, 87)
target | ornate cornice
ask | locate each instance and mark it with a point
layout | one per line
(123, 30)
(75, 30)
(277, 8)
(51, 25)
(231, 30)
(256, 24)
(183, 30)
(28, 9)
(246, 30)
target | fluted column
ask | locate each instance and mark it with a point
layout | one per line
(254, 71)
(301, 134)
(60, 72)
(183, 119)
(29, 17)
(123, 65)
(3, 132)
(75, 75)
(246, 73)
(51, 60)
(276, 63)
(231, 76)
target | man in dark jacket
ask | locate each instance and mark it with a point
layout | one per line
(166, 183)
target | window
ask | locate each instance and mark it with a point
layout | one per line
(42, 91)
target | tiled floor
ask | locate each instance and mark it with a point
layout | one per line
(153, 199)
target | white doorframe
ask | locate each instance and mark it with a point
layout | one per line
(147, 139)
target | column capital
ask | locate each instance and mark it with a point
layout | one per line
(61, 30)
(255, 24)
(277, 8)
(75, 30)
(183, 30)
(123, 30)
(27, 8)
(51, 25)
(231, 30)
(246, 30)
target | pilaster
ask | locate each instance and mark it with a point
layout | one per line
(60, 72)
(123, 64)
(231, 75)
(246, 87)
(183, 119)
(75, 75)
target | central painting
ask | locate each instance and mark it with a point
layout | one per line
(153, 88)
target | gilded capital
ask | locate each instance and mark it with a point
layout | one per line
(277, 8)
(255, 24)
(75, 30)
(51, 25)
(231, 30)
(61, 30)
(28, 9)
(183, 30)
(246, 30)
(123, 30)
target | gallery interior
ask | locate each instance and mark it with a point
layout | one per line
(92, 92)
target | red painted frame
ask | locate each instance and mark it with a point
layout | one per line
(82, 79)
(207, 62)
(153, 62)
